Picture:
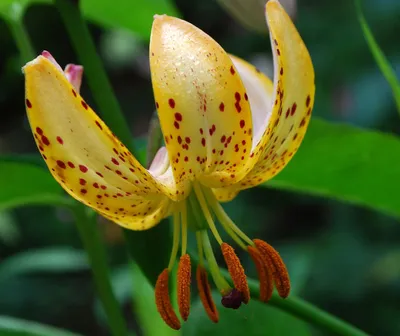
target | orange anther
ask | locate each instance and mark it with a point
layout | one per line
(163, 301)
(205, 294)
(184, 279)
(275, 263)
(264, 274)
(236, 271)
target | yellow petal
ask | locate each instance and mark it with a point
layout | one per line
(292, 102)
(83, 155)
(202, 104)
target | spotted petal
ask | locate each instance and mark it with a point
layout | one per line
(84, 156)
(287, 114)
(202, 105)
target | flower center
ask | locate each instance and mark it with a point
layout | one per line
(198, 213)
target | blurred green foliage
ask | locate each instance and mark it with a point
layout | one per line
(342, 257)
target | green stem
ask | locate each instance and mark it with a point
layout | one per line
(89, 234)
(98, 82)
(21, 38)
(306, 311)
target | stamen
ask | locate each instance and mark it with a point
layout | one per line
(224, 219)
(219, 280)
(236, 271)
(211, 200)
(184, 280)
(275, 263)
(264, 274)
(200, 248)
(184, 228)
(206, 212)
(163, 301)
(175, 241)
(205, 294)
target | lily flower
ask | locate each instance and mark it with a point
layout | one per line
(226, 126)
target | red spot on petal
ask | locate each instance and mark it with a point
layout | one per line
(187, 139)
(45, 140)
(60, 141)
(179, 139)
(223, 138)
(71, 165)
(238, 107)
(293, 110)
(171, 103)
(85, 106)
(113, 160)
(98, 125)
(242, 123)
(232, 70)
(186, 159)
(245, 96)
(100, 174)
(178, 116)
(82, 181)
(308, 100)
(157, 105)
(83, 191)
(237, 96)
(176, 124)
(73, 92)
(28, 103)
(222, 107)
(201, 131)
(39, 130)
(61, 164)
(83, 168)
(203, 142)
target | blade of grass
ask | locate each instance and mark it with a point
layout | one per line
(379, 56)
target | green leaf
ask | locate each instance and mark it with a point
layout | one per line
(346, 163)
(49, 260)
(10, 326)
(133, 15)
(26, 184)
(379, 56)
(253, 319)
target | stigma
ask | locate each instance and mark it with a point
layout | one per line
(197, 214)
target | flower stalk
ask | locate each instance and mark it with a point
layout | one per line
(94, 247)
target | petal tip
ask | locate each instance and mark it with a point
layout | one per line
(32, 63)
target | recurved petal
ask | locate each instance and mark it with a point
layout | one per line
(291, 105)
(83, 155)
(202, 104)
